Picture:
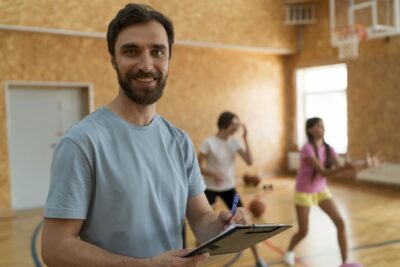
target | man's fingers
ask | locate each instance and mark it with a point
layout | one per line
(225, 216)
(241, 217)
(179, 252)
(202, 256)
(196, 259)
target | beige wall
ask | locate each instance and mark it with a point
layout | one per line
(256, 23)
(205, 81)
(41, 57)
(373, 87)
(202, 82)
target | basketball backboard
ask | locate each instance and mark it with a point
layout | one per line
(379, 18)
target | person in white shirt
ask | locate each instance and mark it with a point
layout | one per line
(217, 163)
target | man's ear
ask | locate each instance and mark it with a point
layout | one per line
(113, 63)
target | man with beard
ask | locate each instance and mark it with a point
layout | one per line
(124, 178)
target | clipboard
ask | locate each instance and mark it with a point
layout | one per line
(238, 237)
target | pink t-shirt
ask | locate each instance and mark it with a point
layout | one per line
(304, 181)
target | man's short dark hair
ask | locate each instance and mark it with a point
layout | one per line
(225, 119)
(133, 14)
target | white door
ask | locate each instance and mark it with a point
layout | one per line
(37, 119)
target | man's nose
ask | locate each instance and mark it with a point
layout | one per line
(146, 63)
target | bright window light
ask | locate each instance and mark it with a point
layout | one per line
(322, 92)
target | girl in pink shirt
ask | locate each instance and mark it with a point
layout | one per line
(318, 160)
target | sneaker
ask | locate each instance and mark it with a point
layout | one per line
(288, 258)
(261, 263)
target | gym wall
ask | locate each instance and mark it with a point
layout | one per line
(373, 88)
(203, 81)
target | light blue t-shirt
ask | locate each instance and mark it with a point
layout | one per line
(129, 184)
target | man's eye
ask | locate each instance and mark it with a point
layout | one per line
(158, 53)
(130, 52)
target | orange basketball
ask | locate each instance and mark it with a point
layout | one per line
(247, 179)
(251, 180)
(257, 208)
(255, 180)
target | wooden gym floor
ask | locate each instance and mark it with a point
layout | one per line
(372, 215)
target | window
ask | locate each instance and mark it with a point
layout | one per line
(322, 92)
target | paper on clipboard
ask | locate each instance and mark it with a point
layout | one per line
(238, 237)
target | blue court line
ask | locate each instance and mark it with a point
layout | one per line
(35, 257)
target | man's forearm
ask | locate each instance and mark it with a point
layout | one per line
(247, 153)
(78, 253)
(208, 227)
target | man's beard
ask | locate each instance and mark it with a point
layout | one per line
(142, 96)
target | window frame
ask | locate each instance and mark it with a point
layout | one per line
(301, 102)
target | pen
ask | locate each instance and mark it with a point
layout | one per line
(234, 206)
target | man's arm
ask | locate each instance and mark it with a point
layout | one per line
(245, 153)
(61, 247)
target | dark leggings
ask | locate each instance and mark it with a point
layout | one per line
(227, 196)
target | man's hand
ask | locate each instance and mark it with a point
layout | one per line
(174, 258)
(225, 218)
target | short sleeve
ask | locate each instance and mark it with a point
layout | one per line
(71, 183)
(205, 147)
(196, 182)
(307, 151)
(236, 145)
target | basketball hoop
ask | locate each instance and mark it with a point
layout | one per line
(348, 39)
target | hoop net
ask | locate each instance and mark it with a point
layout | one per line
(348, 39)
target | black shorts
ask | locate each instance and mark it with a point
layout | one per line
(227, 196)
